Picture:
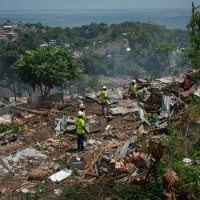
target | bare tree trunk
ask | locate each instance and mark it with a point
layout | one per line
(14, 90)
(29, 91)
(170, 71)
(193, 16)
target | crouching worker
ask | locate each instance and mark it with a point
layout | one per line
(80, 130)
(142, 94)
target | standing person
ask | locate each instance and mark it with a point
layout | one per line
(132, 92)
(186, 83)
(80, 130)
(82, 109)
(142, 94)
(104, 101)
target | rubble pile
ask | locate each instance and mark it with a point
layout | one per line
(45, 146)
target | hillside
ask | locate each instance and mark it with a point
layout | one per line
(131, 46)
(142, 150)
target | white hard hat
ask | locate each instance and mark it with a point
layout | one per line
(82, 105)
(145, 89)
(104, 87)
(80, 114)
(133, 81)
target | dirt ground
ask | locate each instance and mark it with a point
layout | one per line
(37, 132)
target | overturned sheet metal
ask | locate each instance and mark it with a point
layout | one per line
(63, 123)
(165, 108)
(61, 175)
(122, 111)
(141, 112)
(124, 150)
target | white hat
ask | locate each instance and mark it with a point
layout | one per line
(80, 114)
(104, 87)
(145, 89)
(82, 105)
(133, 81)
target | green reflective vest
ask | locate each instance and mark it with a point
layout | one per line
(80, 123)
(141, 92)
(104, 96)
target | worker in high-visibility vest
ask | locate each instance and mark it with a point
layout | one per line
(132, 92)
(142, 93)
(80, 130)
(104, 101)
(82, 109)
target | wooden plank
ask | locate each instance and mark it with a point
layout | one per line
(31, 111)
(91, 174)
(91, 166)
(97, 158)
(95, 166)
(177, 98)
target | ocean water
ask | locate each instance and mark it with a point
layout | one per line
(170, 18)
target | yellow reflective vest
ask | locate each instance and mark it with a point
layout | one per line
(133, 89)
(104, 96)
(80, 123)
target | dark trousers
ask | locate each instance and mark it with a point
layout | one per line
(80, 140)
(132, 95)
(140, 98)
(105, 108)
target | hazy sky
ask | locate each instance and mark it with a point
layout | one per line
(93, 4)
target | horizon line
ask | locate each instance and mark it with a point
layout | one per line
(90, 9)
